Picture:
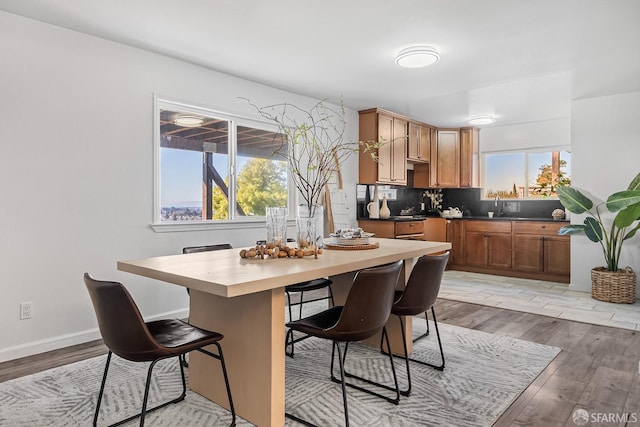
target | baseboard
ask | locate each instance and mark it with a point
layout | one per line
(61, 341)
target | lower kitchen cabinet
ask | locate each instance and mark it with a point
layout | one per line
(487, 244)
(527, 249)
(537, 248)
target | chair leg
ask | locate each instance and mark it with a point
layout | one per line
(395, 400)
(426, 334)
(104, 380)
(144, 411)
(183, 360)
(220, 357)
(440, 367)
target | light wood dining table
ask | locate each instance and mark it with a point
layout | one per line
(244, 300)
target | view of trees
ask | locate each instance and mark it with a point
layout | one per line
(548, 180)
(261, 183)
(549, 177)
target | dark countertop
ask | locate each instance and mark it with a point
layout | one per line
(479, 217)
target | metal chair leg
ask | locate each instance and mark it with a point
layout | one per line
(289, 340)
(440, 367)
(220, 357)
(144, 411)
(104, 380)
(395, 400)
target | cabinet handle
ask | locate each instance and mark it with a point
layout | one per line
(544, 226)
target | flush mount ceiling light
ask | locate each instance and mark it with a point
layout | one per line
(482, 120)
(188, 120)
(417, 57)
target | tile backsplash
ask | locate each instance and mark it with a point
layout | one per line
(468, 200)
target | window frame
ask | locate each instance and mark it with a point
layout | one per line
(235, 120)
(526, 152)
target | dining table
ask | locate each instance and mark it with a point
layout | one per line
(244, 299)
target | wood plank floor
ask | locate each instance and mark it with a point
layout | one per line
(597, 369)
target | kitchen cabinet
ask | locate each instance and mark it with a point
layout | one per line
(537, 248)
(385, 229)
(445, 159)
(378, 125)
(394, 229)
(454, 236)
(419, 143)
(469, 157)
(487, 244)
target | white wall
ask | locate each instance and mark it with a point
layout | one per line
(76, 163)
(605, 158)
(547, 133)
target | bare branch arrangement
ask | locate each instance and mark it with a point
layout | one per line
(314, 144)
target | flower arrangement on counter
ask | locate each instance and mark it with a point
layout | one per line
(435, 198)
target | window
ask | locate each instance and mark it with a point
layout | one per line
(216, 167)
(529, 174)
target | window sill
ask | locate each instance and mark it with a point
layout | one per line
(170, 227)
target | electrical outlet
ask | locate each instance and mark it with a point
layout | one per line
(26, 310)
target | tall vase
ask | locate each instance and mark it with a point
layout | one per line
(385, 213)
(276, 218)
(306, 233)
(318, 217)
(374, 207)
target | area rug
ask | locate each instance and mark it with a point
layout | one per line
(484, 374)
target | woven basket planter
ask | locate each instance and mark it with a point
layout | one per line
(613, 286)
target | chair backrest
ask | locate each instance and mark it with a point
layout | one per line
(122, 327)
(206, 248)
(368, 305)
(423, 285)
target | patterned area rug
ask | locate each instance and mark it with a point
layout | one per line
(484, 373)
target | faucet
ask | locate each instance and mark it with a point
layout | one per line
(497, 204)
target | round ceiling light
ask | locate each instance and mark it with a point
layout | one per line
(417, 57)
(482, 120)
(188, 120)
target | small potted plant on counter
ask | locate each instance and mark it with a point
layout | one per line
(609, 283)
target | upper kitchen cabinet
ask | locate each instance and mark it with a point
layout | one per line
(419, 144)
(445, 159)
(378, 125)
(469, 157)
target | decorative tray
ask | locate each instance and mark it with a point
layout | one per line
(352, 247)
(349, 237)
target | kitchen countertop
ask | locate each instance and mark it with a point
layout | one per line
(478, 217)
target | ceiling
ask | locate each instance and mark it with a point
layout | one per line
(521, 60)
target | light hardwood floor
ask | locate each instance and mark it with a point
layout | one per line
(597, 369)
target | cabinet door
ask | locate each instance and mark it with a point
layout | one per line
(413, 145)
(557, 255)
(399, 152)
(527, 253)
(499, 250)
(419, 144)
(385, 153)
(446, 167)
(454, 236)
(382, 229)
(475, 249)
(469, 157)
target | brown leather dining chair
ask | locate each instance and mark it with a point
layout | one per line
(418, 297)
(126, 334)
(364, 314)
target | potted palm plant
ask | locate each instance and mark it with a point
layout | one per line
(609, 283)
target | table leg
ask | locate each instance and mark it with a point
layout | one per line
(253, 345)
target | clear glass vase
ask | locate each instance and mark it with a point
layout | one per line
(306, 233)
(276, 218)
(318, 215)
